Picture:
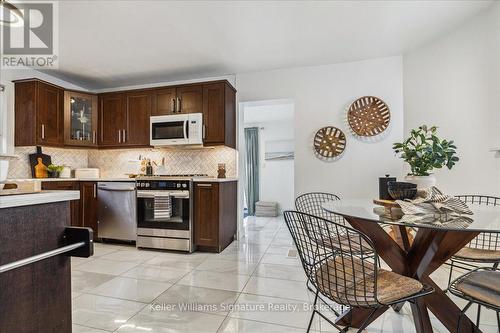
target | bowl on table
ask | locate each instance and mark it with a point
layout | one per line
(402, 190)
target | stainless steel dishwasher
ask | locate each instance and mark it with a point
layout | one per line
(116, 210)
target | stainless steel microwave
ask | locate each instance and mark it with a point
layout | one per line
(179, 129)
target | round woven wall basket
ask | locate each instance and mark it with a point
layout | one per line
(368, 116)
(329, 142)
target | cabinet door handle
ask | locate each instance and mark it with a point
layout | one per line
(94, 136)
(95, 191)
(204, 185)
(43, 132)
(119, 136)
(179, 105)
(204, 131)
(124, 136)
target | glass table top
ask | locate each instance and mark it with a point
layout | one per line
(484, 218)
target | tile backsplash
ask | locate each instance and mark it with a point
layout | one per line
(20, 168)
(116, 162)
(176, 161)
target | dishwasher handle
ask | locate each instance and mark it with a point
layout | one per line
(123, 189)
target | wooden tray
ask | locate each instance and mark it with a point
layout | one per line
(386, 203)
(392, 209)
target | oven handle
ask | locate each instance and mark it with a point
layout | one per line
(152, 194)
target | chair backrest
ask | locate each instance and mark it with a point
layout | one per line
(310, 203)
(331, 254)
(485, 240)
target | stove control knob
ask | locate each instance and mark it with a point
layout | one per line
(147, 184)
(178, 185)
(184, 185)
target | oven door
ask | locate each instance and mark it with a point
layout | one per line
(169, 130)
(150, 215)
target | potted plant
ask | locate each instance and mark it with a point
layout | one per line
(54, 170)
(424, 151)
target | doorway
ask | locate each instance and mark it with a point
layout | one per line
(267, 155)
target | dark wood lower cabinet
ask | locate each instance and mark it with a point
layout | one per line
(83, 212)
(35, 298)
(88, 206)
(74, 205)
(215, 215)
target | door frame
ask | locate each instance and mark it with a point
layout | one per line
(240, 146)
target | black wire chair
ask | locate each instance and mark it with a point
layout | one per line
(479, 286)
(484, 248)
(330, 256)
(311, 203)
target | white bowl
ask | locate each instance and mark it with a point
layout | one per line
(4, 170)
(4, 167)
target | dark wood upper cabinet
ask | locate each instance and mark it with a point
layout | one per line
(88, 206)
(38, 114)
(49, 120)
(163, 102)
(175, 100)
(80, 119)
(138, 113)
(213, 113)
(47, 115)
(215, 215)
(112, 119)
(219, 114)
(189, 99)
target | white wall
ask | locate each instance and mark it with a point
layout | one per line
(454, 83)
(276, 176)
(321, 95)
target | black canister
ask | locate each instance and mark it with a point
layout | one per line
(383, 192)
(149, 169)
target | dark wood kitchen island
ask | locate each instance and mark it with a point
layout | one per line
(35, 295)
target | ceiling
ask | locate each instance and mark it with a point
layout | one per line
(105, 44)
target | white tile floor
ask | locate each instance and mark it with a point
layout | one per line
(250, 287)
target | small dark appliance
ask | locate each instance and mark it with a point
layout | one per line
(383, 192)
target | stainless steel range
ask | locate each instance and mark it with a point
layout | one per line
(164, 212)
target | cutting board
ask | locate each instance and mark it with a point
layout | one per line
(46, 159)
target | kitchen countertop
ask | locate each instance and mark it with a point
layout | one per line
(124, 179)
(103, 179)
(214, 180)
(43, 197)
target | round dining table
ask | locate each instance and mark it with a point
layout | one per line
(438, 237)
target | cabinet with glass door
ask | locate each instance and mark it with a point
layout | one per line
(80, 119)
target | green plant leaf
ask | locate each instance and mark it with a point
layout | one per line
(424, 151)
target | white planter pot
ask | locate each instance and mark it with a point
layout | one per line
(422, 182)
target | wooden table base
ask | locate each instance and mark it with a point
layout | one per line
(431, 248)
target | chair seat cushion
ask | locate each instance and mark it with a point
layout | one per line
(469, 253)
(351, 282)
(482, 285)
(345, 242)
